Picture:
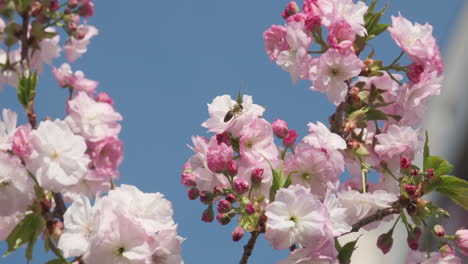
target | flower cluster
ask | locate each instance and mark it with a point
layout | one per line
(290, 188)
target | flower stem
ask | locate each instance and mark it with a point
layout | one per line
(248, 248)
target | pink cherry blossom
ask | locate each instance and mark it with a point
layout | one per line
(65, 77)
(257, 142)
(332, 70)
(221, 105)
(22, 141)
(296, 216)
(107, 155)
(7, 224)
(332, 11)
(341, 35)
(461, 239)
(295, 60)
(16, 187)
(321, 252)
(48, 50)
(275, 41)
(104, 98)
(418, 257)
(9, 76)
(76, 47)
(218, 157)
(92, 120)
(398, 141)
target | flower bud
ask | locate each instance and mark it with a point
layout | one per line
(439, 230)
(223, 219)
(206, 197)
(414, 72)
(446, 250)
(224, 206)
(430, 173)
(385, 242)
(53, 5)
(410, 189)
(312, 23)
(72, 3)
(188, 179)
(290, 138)
(87, 9)
(241, 185)
(231, 198)
(223, 138)
(414, 173)
(257, 176)
(193, 193)
(280, 128)
(232, 168)
(249, 209)
(413, 238)
(237, 234)
(461, 240)
(208, 215)
(291, 9)
(104, 98)
(218, 190)
(21, 141)
(405, 163)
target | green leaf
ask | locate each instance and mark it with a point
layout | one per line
(455, 188)
(440, 166)
(378, 29)
(346, 251)
(26, 232)
(427, 151)
(374, 114)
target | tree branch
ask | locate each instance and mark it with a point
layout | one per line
(248, 248)
(379, 215)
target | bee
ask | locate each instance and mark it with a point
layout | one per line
(236, 110)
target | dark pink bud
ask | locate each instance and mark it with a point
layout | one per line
(188, 179)
(218, 157)
(291, 9)
(410, 189)
(280, 128)
(405, 163)
(87, 9)
(193, 193)
(208, 215)
(232, 168)
(257, 175)
(446, 250)
(104, 98)
(289, 140)
(249, 209)
(237, 234)
(53, 5)
(72, 3)
(218, 190)
(224, 206)
(21, 141)
(312, 23)
(413, 238)
(206, 197)
(439, 230)
(414, 173)
(231, 198)
(241, 185)
(385, 242)
(414, 72)
(223, 219)
(223, 138)
(430, 173)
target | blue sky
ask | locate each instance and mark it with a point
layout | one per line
(163, 61)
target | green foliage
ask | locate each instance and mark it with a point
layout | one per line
(27, 89)
(455, 188)
(440, 166)
(345, 252)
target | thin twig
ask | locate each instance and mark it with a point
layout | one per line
(379, 215)
(248, 248)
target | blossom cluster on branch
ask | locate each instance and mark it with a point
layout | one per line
(272, 181)
(48, 164)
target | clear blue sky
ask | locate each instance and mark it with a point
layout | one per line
(163, 61)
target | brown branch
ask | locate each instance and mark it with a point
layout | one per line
(248, 248)
(60, 207)
(379, 215)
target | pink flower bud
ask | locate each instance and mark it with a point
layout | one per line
(249, 209)
(405, 163)
(439, 230)
(414, 173)
(291, 9)
(87, 9)
(187, 166)
(280, 128)
(72, 3)
(223, 219)
(241, 185)
(53, 5)
(224, 206)
(193, 193)
(208, 215)
(413, 238)
(410, 189)
(188, 179)
(237, 234)
(414, 72)
(461, 240)
(430, 173)
(312, 23)
(104, 98)
(218, 157)
(231, 198)
(223, 138)
(257, 176)
(289, 140)
(341, 35)
(385, 242)
(206, 197)
(218, 190)
(446, 250)
(21, 141)
(232, 168)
